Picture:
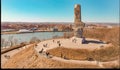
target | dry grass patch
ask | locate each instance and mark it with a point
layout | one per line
(105, 54)
(76, 54)
(28, 58)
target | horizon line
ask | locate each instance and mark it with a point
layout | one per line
(53, 22)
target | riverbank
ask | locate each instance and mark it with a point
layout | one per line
(16, 32)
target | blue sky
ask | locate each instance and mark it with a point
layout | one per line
(59, 10)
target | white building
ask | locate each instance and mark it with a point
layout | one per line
(109, 26)
(24, 31)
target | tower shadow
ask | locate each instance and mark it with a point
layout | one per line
(93, 41)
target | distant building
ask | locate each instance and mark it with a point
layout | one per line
(24, 31)
(55, 29)
(33, 29)
(109, 26)
(91, 26)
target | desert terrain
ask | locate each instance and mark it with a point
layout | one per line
(73, 55)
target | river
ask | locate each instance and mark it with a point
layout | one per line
(26, 37)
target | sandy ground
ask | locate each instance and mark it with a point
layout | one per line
(67, 43)
(11, 53)
(100, 64)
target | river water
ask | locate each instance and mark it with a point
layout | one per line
(26, 37)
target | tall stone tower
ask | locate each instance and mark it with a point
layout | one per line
(77, 14)
(78, 24)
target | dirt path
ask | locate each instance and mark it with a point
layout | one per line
(67, 43)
